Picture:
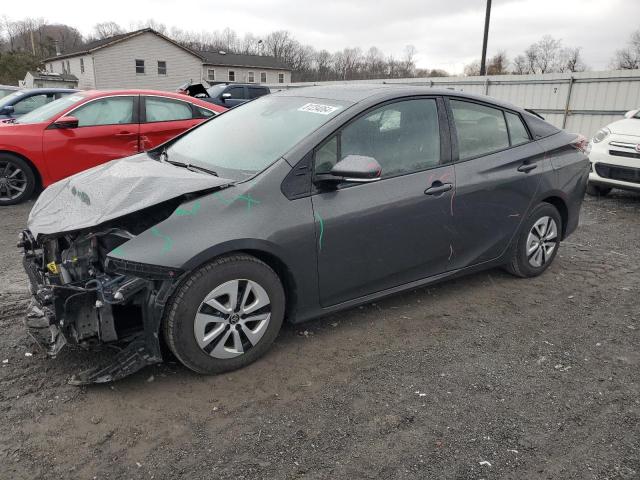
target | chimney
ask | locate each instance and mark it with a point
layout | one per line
(57, 44)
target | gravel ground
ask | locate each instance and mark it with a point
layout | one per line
(488, 376)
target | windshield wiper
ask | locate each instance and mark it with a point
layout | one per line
(164, 157)
(198, 168)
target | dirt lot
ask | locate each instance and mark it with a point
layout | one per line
(483, 377)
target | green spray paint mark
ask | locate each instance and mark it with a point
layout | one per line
(168, 243)
(186, 211)
(219, 196)
(248, 199)
(116, 251)
(321, 221)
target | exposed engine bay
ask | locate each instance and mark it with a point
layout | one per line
(83, 298)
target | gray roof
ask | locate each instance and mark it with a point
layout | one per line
(237, 60)
(55, 77)
(207, 57)
(105, 42)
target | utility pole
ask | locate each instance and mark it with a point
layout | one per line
(483, 61)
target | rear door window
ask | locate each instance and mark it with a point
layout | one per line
(480, 129)
(165, 110)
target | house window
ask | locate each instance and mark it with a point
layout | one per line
(211, 75)
(162, 67)
(281, 78)
(82, 65)
(232, 76)
(251, 77)
(140, 67)
(263, 77)
(51, 67)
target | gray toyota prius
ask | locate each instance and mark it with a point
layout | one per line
(293, 206)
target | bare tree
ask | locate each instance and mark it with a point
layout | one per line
(472, 69)
(520, 65)
(628, 58)
(106, 29)
(408, 65)
(570, 60)
(498, 64)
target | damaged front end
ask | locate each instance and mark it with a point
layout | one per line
(80, 296)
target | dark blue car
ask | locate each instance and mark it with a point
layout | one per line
(24, 101)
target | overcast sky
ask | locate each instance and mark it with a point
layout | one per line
(446, 33)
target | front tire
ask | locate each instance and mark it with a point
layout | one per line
(225, 315)
(17, 180)
(597, 190)
(537, 242)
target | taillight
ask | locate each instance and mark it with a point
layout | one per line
(580, 143)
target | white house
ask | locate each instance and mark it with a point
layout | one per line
(148, 59)
(49, 80)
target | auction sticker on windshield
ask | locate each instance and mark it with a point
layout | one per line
(318, 108)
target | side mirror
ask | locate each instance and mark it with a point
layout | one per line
(631, 113)
(66, 122)
(7, 109)
(225, 96)
(353, 168)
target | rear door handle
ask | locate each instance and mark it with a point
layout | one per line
(437, 188)
(125, 134)
(527, 167)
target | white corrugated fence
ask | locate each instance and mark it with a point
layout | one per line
(578, 102)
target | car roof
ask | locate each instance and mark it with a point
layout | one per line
(88, 94)
(355, 93)
(29, 91)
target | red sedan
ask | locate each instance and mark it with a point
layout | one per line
(85, 129)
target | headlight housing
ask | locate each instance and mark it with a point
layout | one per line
(601, 135)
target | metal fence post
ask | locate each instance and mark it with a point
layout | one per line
(566, 107)
(486, 86)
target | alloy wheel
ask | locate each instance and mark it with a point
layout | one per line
(232, 318)
(13, 180)
(542, 241)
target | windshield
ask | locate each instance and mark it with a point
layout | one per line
(45, 112)
(247, 139)
(8, 96)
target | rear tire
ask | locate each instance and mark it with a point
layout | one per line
(17, 180)
(537, 242)
(225, 315)
(597, 190)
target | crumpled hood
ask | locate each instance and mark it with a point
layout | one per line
(113, 190)
(628, 126)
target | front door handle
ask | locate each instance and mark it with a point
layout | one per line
(527, 167)
(437, 188)
(125, 134)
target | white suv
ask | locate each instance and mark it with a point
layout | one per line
(615, 156)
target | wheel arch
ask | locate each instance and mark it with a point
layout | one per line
(264, 251)
(32, 165)
(561, 205)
